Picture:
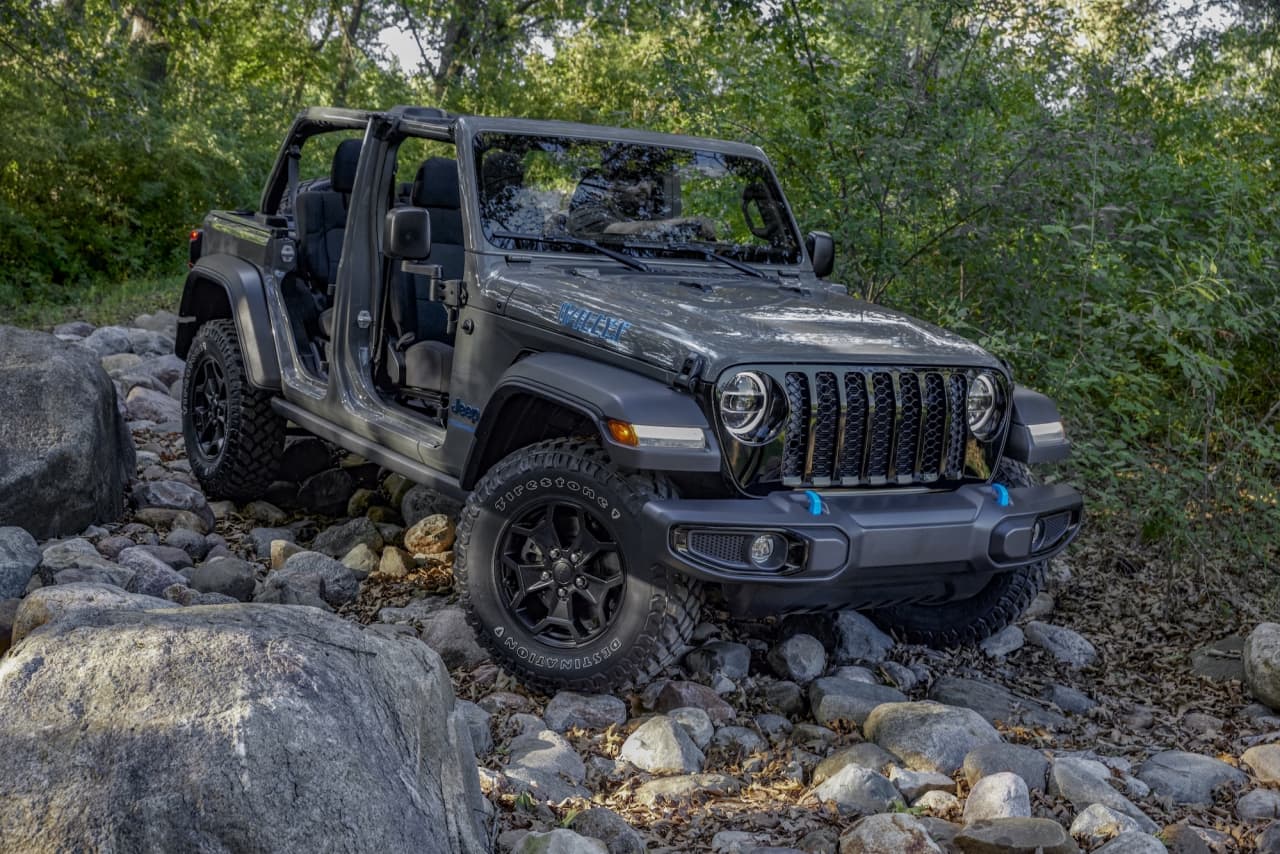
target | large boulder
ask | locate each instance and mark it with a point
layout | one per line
(233, 727)
(65, 451)
(1261, 656)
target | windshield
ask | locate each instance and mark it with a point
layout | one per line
(645, 200)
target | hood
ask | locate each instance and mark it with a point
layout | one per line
(729, 320)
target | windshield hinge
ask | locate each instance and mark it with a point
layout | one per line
(690, 373)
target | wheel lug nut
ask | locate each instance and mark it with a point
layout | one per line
(555, 553)
(580, 582)
(563, 592)
(545, 575)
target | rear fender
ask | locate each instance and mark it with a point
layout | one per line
(223, 286)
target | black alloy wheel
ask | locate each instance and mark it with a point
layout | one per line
(208, 402)
(561, 573)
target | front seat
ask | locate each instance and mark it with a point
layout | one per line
(321, 217)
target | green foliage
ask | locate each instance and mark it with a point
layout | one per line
(1088, 189)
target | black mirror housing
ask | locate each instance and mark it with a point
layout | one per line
(822, 251)
(407, 233)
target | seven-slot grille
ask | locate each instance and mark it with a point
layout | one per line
(874, 426)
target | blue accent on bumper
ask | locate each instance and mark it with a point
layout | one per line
(1001, 493)
(815, 502)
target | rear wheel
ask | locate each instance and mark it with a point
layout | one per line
(547, 563)
(998, 604)
(234, 438)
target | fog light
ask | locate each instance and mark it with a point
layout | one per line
(768, 551)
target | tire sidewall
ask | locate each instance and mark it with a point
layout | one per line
(208, 344)
(502, 500)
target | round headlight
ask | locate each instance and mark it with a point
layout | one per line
(744, 401)
(983, 406)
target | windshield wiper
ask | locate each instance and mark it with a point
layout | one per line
(566, 240)
(712, 255)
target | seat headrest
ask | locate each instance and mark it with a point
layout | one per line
(436, 185)
(342, 175)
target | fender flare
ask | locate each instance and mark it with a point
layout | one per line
(600, 392)
(223, 286)
(1036, 434)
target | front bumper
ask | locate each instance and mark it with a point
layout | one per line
(868, 549)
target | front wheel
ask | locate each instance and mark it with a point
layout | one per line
(548, 563)
(234, 438)
(1003, 599)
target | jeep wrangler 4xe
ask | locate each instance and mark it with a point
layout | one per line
(618, 350)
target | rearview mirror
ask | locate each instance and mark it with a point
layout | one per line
(822, 251)
(407, 233)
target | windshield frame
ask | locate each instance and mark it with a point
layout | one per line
(471, 128)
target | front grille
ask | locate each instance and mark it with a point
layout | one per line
(871, 427)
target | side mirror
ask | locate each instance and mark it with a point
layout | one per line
(406, 233)
(822, 251)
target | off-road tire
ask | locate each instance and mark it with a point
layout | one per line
(977, 618)
(659, 607)
(254, 434)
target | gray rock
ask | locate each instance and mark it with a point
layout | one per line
(164, 322)
(1267, 842)
(696, 722)
(1027, 762)
(610, 828)
(1067, 646)
(119, 363)
(166, 369)
(738, 741)
(864, 755)
(172, 495)
(661, 746)
(300, 716)
(1258, 805)
(77, 553)
(341, 539)
(1188, 778)
(993, 702)
(857, 639)
(107, 341)
(1133, 842)
(586, 711)
(1086, 781)
(941, 805)
(145, 404)
(169, 555)
(888, 833)
(1220, 661)
(19, 558)
(422, 501)
(785, 697)
(477, 721)
(150, 574)
(448, 633)
(147, 342)
(799, 658)
(262, 539)
(678, 694)
(268, 514)
(559, 841)
(1002, 795)
(1004, 642)
(107, 573)
(227, 576)
(1097, 824)
(304, 458)
(314, 579)
(109, 547)
(546, 766)
(8, 615)
(731, 659)
(361, 560)
(1041, 606)
(1264, 761)
(773, 726)
(685, 787)
(914, 784)
(327, 492)
(928, 736)
(832, 698)
(857, 673)
(1261, 657)
(66, 454)
(190, 542)
(898, 675)
(74, 329)
(858, 791)
(1070, 700)
(1015, 836)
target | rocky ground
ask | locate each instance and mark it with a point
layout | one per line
(1117, 716)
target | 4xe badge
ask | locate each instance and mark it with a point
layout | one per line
(465, 411)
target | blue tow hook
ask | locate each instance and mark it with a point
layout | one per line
(815, 502)
(1001, 494)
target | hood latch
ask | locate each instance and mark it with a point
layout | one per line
(690, 372)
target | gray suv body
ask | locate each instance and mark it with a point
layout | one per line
(617, 350)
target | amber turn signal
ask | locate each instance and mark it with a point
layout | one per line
(623, 433)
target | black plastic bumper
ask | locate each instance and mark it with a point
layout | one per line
(864, 549)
